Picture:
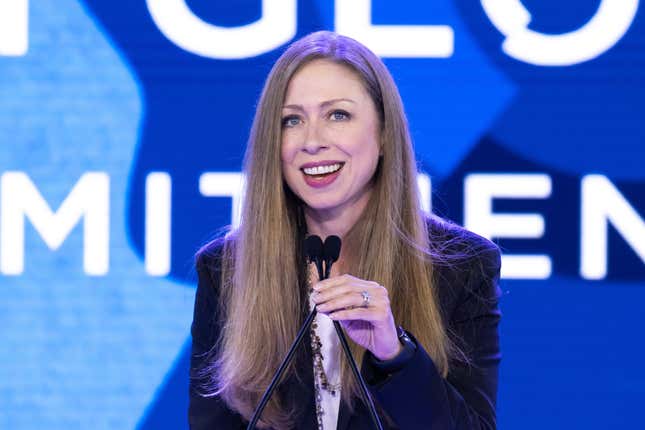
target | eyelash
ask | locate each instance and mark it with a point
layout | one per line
(341, 112)
(286, 119)
(346, 115)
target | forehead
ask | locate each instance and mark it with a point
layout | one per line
(321, 80)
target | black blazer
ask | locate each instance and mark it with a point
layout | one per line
(415, 396)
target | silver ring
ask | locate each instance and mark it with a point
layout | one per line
(366, 298)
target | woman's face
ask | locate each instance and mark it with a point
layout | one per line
(330, 138)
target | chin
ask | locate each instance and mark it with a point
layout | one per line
(320, 204)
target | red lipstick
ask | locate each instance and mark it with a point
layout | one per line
(323, 179)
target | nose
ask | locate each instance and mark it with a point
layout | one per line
(314, 138)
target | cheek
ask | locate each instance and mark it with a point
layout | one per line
(364, 148)
(287, 156)
(287, 152)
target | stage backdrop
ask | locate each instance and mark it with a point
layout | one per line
(122, 130)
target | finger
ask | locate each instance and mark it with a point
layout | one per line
(371, 314)
(333, 281)
(335, 292)
(347, 300)
(352, 286)
(358, 286)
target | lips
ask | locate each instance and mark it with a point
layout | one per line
(321, 174)
(322, 170)
(321, 163)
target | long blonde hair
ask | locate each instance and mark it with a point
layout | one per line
(263, 279)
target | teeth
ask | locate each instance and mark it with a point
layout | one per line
(321, 170)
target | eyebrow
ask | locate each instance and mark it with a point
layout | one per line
(322, 105)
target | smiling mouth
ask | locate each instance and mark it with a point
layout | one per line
(320, 171)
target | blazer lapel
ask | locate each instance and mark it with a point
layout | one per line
(302, 390)
(343, 417)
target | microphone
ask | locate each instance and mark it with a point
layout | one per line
(317, 252)
(331, 252)
(314, 252)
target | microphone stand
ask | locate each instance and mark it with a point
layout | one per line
(331, 253)
(314, 250)
(367, 398)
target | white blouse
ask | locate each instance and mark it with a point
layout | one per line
(331, 352)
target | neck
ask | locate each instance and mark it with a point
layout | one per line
(336, 221)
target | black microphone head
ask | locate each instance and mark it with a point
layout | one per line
(313, 248)
(331, 248)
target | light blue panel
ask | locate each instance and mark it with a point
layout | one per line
(77, 351)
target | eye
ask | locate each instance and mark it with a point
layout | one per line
(290, 121)
(339, 115)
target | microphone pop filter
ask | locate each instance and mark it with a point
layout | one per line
(313, 248)
(331, 248)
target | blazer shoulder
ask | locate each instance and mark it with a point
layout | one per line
(466, 268)
(457, 247)
(210, 255)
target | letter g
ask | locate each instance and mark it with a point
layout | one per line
(179, 24)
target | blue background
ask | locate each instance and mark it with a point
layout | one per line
(101, 89)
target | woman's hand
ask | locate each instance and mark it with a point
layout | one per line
(368, 322)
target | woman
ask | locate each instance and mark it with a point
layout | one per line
(330, 154)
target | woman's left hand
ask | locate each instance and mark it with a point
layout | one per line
(370, 324)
